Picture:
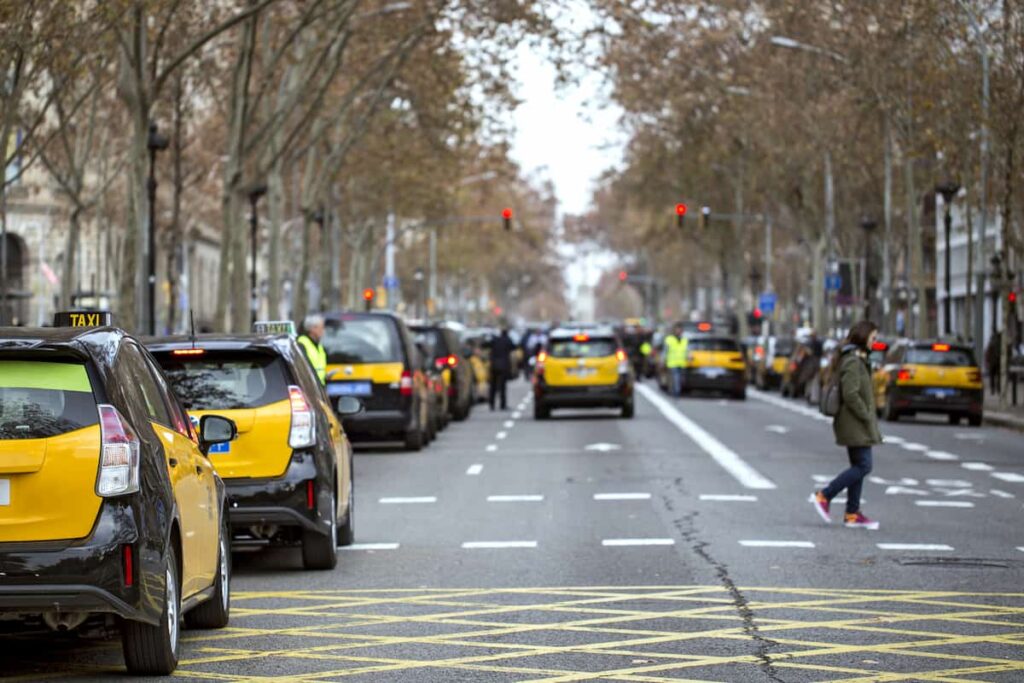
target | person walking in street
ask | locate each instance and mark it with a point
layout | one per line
(993, 360)
(675, 358)
(311, 346)
(855, 426)
(502, 348)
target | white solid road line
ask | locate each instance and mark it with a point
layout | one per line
(893, 439)
(977, 466)
(370, 546)
(1001, 494)
(914, 546)
(619, 542)
(622, 496)
(1011, 477)
(944, 503)
(1020, 548)
(777, 544)
(806, 411)
(917, 447)
(728, 459)
(408, 500)
(475, 545)
(475, 470)
(530, 498)
(728, 498)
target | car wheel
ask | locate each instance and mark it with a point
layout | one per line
(888, 412)
(628, 409)
(320, 550)
(414, 439)
(974, 420)
(740, 395)
(953, 418)
(153, 650)
(541, 412)
(347, 531)
(215, 612)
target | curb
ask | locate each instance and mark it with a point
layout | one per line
(1004, 420)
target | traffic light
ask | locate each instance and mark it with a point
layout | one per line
(368, 295)
(1011, 298)
(705, 218)
(506, 216)
(623, 276)
(680, 214)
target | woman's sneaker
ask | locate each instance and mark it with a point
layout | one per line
(859, 521)
(821, 506)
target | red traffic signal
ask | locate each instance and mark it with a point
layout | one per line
(623, 275)
(1011, 297)
(758, 314)
(506, 216)
(368, 294)
(680, 214)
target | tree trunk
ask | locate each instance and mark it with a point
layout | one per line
(275, 213)
(301, 307)
(917, 279)
(71, 241)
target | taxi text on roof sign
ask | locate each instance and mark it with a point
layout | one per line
(274, 327)
(82, 319)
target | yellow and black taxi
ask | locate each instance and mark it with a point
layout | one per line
(930, 377)
(582, 369)
(110, 509)
(372, 356)
(773, 362)
(443, 348)
(289, 472)
(715, 363)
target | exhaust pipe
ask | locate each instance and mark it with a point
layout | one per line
(64, 621)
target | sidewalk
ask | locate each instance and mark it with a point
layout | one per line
(1012, 416)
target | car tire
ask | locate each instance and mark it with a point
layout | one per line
(153, 650)
(541, 412)
(740, 395)
(347, 531)
(414, 440)
(889, 414)
(974, 420)
(215, 612)
(628, 410)
(320, 550)
(954, 419)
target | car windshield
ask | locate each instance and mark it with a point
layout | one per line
(929, 356)
(592, 348)
(368, 339)
(225, 381)
(44, 399)
(432, 340)
(784, 347)
(714, 345)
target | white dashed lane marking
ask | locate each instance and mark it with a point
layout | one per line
(728, 498)
(622, 496)
(777, 429)
(508, 424)
(475, 470)
(621, 542)
(1001, 494)
(408, 500)
(480, 545)
(492, 447)
(1011, 477)
(915, 546)
(943, 503)
(777, 544)
(916, 447)
(370, 546)
(941, 455)
(500, 435)
(528, 498)
(516, 415)
(977, 466)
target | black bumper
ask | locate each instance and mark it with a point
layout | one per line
(714, 379)
(84, 575)
(924, 400)
(378, 425)
(599, 396)
(281, 500)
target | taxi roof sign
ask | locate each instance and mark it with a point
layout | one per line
(274, 327)
(82, 319)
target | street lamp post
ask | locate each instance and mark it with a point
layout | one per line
(156, 142)
(255, 192)
(948, 190)
(418, 277)
(868, 224)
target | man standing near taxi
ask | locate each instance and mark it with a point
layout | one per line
(311, 346)
(675, 358)
(502, 347)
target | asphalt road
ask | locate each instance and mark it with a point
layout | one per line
(678, 545)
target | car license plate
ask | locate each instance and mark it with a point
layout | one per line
(941, 393)
(221, 447)
(349, 389)
(712, 373)
(5, 491)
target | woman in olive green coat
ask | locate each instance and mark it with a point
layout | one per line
(855, 426)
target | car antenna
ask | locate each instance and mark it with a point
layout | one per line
(192, 327)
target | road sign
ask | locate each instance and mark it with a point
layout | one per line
(390, 282)
(833, 282)
(767, 302)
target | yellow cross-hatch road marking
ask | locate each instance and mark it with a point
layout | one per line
(638, 633)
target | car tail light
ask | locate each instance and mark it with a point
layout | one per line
(758, 352)
(119, 455)
(879, 346)
(904, 374)
(974, 375)
(303, 431)
(581, 338)
(452, 361)
(188, 352)
(446, 362)
(940, 347)
(704, 327)
(128, 565)
(405, 385)
(310, 495)
(620, 356)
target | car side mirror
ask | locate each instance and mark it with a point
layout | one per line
(214, 429)
(349, 405)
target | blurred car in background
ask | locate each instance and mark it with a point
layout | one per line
(932, 376)
(773, 361)
(715, 363)
(444, 350)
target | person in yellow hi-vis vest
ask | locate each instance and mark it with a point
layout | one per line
(311, 346)
(645, 359)
(676, 346)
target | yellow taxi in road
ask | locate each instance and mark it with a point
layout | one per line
(930, 377)
(715, 363)
(582, 369)
(289, 473)
(773, 361)
(111, 513)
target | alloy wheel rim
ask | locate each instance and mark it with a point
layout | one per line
(334, 521)
(172, 609)
(225, 574)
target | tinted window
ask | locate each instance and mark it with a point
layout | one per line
(927, 356)
(43, 399)
(355, 339)
(226, 381)
(714, 345)
(132, 365)
(784, 347)
(433, 341)
(594, 348)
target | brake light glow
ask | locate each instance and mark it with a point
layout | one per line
(974, 376)
(303, 429)
(704, 327)
(904, 374)
(310, 495)
(620, 355)
(879, 346)
(119, 455)
(188, 352)
(128, 565)
(940, 347)
(542, 356)
(405, 384)
(759, 351)
(581, 338)
(623, 359)
(447, 362)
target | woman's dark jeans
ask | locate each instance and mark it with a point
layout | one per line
(851, 479)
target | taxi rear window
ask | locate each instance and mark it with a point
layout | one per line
(433, 341)
(225, 381)
(714, 345)
(362, 340)
(592, 348)
(784, 347)
(43, 399)
(927, 356)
